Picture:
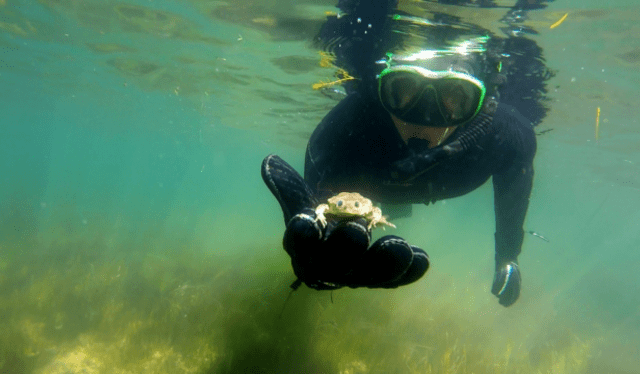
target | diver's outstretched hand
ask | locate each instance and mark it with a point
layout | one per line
(506, 283)
(337, 254)
(287, 186)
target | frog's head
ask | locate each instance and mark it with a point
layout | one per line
(349, 204)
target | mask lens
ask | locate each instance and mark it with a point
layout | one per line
(400, 91)
(458, 99)
(438, 99)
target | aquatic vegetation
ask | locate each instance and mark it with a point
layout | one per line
(444, 344)
(327, 60)
(180, 314)
(92, 305)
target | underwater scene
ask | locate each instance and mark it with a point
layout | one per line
(137, 236)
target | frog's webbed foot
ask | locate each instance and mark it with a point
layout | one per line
(320, 214)
(322, 219)
(388, 223)
(383, 221)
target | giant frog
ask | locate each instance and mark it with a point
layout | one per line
(348, 206)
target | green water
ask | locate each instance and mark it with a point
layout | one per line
(136, 235)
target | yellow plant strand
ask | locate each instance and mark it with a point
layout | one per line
(326, 61)
(559, 21)
(598, 124)
(320, 85)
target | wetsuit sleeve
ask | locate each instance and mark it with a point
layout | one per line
(512, 184)
(330, 147)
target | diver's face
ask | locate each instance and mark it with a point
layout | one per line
(433, 135)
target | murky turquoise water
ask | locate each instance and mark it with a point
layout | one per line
(136, 235)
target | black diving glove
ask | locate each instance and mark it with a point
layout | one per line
(506, 283)
(337, 254)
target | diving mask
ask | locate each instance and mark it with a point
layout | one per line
(426, 97)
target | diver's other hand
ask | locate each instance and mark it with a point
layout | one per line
(410, 166)
(506, 283)
(415, 164)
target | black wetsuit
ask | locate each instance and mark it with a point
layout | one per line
(356, 145)
(357, 148)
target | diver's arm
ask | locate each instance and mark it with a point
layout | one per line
(328, 155)
(511, 190)
(511, 200)
(512, 184)
(515, 146)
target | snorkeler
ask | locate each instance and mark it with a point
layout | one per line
(422, 122)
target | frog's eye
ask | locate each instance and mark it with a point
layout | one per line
(339, 203)
(357, 204)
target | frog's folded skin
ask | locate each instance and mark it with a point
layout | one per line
(337, 254)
